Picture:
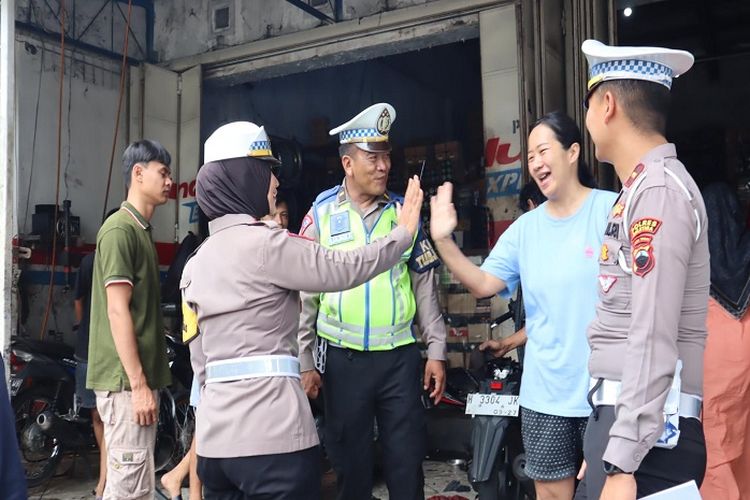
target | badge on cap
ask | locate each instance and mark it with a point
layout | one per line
(369, 129)
(652, 64)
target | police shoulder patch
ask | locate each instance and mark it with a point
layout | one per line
(646, 225)
(642, 234)
(423, 255)
(306, 223)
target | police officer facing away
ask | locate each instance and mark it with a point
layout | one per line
(255, 435)
(373, 366)
(648, 337)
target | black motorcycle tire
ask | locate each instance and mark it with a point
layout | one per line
(25, 417)
(497, 487)
(183, 429)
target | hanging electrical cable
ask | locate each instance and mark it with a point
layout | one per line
(33, 139)
(123, 73)
(59, 165)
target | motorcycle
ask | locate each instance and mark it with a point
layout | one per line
(477, 420)
(498, 458)
(496, 470)
(50, 424)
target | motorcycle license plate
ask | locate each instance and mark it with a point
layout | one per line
(15, 385)
(493, 405)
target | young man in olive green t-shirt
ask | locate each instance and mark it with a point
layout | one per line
(127, 350)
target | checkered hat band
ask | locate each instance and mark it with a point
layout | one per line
(632, 69)
(361, 135)
(260, 145)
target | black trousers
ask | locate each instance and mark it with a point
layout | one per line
(661, 469)
(286, 476)
(386, 386)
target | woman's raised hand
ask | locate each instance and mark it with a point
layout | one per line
(443, 218)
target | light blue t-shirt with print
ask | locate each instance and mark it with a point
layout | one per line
(556, 262)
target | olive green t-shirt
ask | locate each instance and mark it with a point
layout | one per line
(125, 253)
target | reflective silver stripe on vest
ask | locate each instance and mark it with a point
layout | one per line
(252, 367)
(359, 329)
(609, 390)
(400, 305)
(392, 337)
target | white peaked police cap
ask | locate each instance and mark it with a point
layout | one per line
(651, 64)
(238, 140)
(369, 129)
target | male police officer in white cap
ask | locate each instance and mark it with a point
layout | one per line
(373, 365)
(648, 337)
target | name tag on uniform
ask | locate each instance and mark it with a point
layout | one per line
(189, 323)
(341, 230)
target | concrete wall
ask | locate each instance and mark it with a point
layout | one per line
(88, 121)
(90, 93)
(183, 27)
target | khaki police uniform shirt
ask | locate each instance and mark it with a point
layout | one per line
(654, 313)
(242, 284)
(428, 315)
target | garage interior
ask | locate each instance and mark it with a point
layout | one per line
(437, 95)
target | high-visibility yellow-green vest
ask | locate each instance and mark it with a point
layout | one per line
(376, 316)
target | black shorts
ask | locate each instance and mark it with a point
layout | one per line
(553, 444)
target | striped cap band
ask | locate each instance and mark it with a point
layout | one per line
(630, 69)
(361, 135)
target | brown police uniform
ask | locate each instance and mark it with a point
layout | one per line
(242, 283)
(653, 289)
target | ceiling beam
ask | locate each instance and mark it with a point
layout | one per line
(312, 11)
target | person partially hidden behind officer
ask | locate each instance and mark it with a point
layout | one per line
(371, 366)
(255, 434)
(648, 337)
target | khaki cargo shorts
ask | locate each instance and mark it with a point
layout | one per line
(130, 448)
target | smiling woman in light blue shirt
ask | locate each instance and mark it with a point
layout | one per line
(552, 252)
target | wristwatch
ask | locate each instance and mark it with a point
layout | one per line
(612, 469)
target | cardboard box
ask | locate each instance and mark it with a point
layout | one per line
(449, 156)
(461, 303)
(458, 333)
(478, 332)
(456, 360)
(471, 333)
(415, 155)
(446, 278)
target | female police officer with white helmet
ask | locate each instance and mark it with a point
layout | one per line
(255, 432)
